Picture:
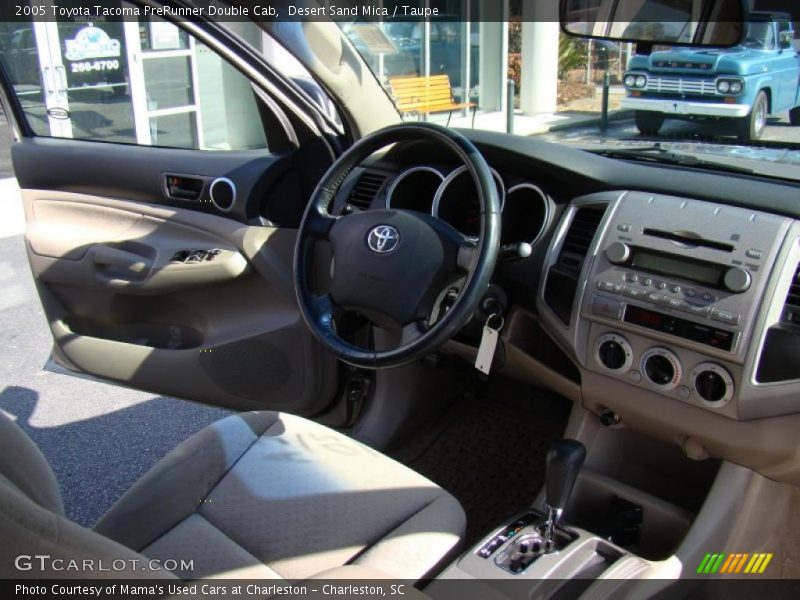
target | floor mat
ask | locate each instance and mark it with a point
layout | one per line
(490, 452)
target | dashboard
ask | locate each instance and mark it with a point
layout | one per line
(668, 296)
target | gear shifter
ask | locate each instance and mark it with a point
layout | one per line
(563, 462)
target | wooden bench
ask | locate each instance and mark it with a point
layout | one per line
(424, 95)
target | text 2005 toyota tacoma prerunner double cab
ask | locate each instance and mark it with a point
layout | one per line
(462, 357)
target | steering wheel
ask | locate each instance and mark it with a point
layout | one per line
(392, 266)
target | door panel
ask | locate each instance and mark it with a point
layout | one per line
(168, 269)
(236, 340)
(137, 173)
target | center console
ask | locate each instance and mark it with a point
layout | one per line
(538, 554)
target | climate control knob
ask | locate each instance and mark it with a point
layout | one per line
(618, 253)
(662, 368)
(614, 352)
(712, 383)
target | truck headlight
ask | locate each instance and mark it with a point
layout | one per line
(641, 81)
(630, 81)
(730, 87)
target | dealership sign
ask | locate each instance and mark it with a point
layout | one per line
(92, 42)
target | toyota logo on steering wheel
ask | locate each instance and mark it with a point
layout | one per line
(383, 239)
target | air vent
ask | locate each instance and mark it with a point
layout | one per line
(779, 360)
(791, 311)
(366, 190)
(562, 278)
(579, 238)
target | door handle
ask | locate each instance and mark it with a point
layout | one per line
(112, 257)
(61, 71)
(182, 187)
(49, 82)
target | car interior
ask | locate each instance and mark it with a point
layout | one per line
(455, 354)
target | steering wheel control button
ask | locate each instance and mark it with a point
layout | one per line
(613, 352)
(607, 307)
(713, 383)
(662, 368)
(618, 253)
(383, 239)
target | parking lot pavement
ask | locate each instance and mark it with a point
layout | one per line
(99, 438)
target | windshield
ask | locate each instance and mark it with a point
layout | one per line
(508, 72)
(760, 36)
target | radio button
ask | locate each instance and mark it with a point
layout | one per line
(723, 316)
(676, 304)
(661, 285)
(631, 277)
(605, 286)
(698, 311)
(754, 254)
(738, 280)
(618, 253)
(647, 282)
(606, 307)
(617, 288)
(636, 293)
(691, 293)
(676, 289)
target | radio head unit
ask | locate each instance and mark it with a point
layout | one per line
(696, 280)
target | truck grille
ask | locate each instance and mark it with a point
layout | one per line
(677, 85)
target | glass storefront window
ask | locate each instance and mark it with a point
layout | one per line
(138, 82)
(169, 82)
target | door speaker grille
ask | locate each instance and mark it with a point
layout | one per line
(256, 368)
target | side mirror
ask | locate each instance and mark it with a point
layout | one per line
(786, 39)
(713, 23)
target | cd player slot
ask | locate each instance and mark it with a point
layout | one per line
(674, 236)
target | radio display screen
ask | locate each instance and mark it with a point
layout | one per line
(684, 268)
(689, 330)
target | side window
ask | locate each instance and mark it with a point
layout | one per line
(140, 82)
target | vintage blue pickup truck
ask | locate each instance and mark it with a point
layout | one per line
(746, 84)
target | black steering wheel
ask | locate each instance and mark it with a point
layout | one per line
(393, 265)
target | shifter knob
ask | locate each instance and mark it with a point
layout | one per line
(564, 460)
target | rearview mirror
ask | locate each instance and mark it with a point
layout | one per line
(715, 23)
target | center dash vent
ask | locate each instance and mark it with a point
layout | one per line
(791, 310)
(562, 278)
(779, 360)
(579, 238)
(366, 190)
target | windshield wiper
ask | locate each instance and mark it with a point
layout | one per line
(657, 153)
